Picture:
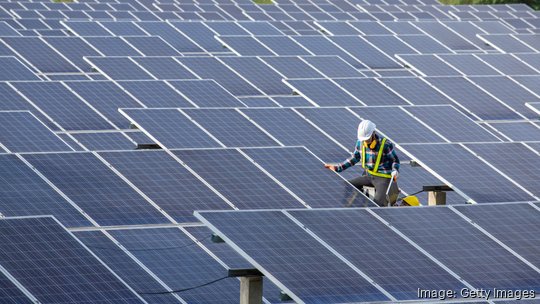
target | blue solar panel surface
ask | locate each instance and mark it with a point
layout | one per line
(13, 69)
(206, 93)
(119, 68)
(370, 92)
(323, 92)
(74, 49)
(164, 68)
(155, 94)
(104, 141)
(519, 131)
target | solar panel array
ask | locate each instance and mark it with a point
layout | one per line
(121, 118)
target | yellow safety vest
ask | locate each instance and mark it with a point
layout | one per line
(377, 162)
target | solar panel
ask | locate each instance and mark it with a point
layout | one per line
(532, 59)
(468, 31)
(415, 90)
(230, 173)
(86, 28)
(112, 46)
(512, 159)
(292, 101)
(259, 28)
(231, 128)
(155, 94)
(332, 66)
(170, 34)
(40, 55)
(314, 184)
(200, 34)
(152, 46)
(370, 28)
(256, 102)
(259, 74)
(401, 128)
(107, 98)
(390, 45)
(226, 28)
(337, 28)
(13, 69)
(118, 68)
(480, 182)
(506, 43)
(389, 262)
(468, 64)
(20, 131)
(245, 46)
(535, 106)
(10, 293)
(530, 82)
(322, 92)
(472, 98)
(35, 248)
(370, 91)
(452, 124)
(530, 40)
(299, 268)
(364, 52)
(64, 107)
(508, 92)
(323, 46)
(481, 261)
(206, 93)
(507, 64)
(104, 141)
(6, 30)
(122, 28)
(164, 68)
(291, 67)
(283, 45)
(211, 68)
(180, 264)
(428, 65)
(401, 27)
(445, 35)
(171, 186)
(123, 265)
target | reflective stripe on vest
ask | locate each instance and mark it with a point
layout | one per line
(377, 162)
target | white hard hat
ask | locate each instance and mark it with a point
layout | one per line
(365, 129)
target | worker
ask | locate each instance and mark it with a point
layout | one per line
(379, 160)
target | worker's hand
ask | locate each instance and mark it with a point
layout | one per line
(395, 175)
(330, 166)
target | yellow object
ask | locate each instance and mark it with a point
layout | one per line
(377, 162)
(411, 200)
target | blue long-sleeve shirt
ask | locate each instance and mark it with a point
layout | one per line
(389, 160)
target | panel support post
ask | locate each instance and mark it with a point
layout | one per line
(436, 198)
(251, 290)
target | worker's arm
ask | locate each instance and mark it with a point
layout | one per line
(349, 162)
(392, 156)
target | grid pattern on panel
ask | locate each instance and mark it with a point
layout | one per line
(469, 65)
(174, 37)
(519, 131)
(480, 261)
(11, 294)
(479, 181)
(292, 101)
(261, 234)
(164, 68)
(364, 52)
(429, 65)
(73, 48)
(259, 74)
(530, 82)
(386, 257)
(245, 46)
(445, 35)
(155, 94)
(122, 28)
(371, 92)
(200, 34)
(514, 160)
(123, 265)
(24, 193)
(64, 107)
(13, 69)
(283, 45)
(104, 141)
(332, 66)
(322, 92)
(96, 189)
(323, 46)
(206, 93)
(87, 28)
(117, 68)
(33, 248)
(507, 43)
(172, 187)
(425, 44)
(260, 28)
(314, 184)
(415, 90)
(152, 46)
(22, 132)
(450, 123)
(402, 128)
(231, 128)
(507, 64)
(107, 98)
(171, 128)
(292, 67)
(240, 181)
(516, 225)
(532, 59)
(337, 122)
(473, 98)
(211, 68)
(112, 46)
(179, 263)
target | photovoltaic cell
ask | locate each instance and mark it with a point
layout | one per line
(11, 294)
(179, 263)
(429, 65)
(519, 131)
(506, 43)
(256, 102)
(13, 69)
(123, 28)
(364, 52)
(530, 40)
(390, 45)
(532, 59)
(425, 44)
(402, 128)
(507, 64)
(415, 90)
(206, 93)
(231, 128)
(512, 159)
(370, 92)
(200, 34)
(370, 28)
(508, 92)
(322, 46)
(164, 68)
(86, 28)
(283, 45)
(245, 46)
(123, 265)
(468, 64)
(107, 98)
(171, 35)
(104, 141)
(450, 123)
(445, 35)
(314, 184)
(211, 68)
(73, 48)
(337, 28)
(171, 186)
(23, 132)
(479, 181)
(332, 66)
(530, 82)
(516, 225)
(473, 98)
(292, 101)
(477, 259)
(112, 46)
(322, 92)
(226, 28)
(152, 46)
(33, 249)
(260, 28)
(260, 235)
(155, 94)
(96, 189)
(292, 67)
(386, 257)
(68, 110)
(118, 68)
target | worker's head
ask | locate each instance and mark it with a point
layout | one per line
(366, 129)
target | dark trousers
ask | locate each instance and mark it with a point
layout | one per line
(381, 185)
